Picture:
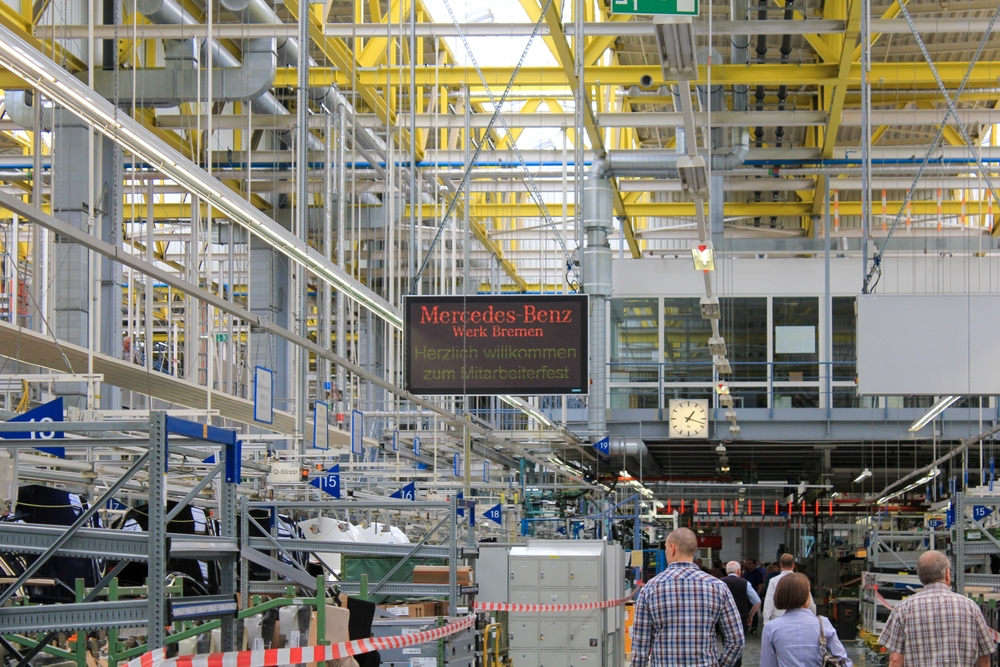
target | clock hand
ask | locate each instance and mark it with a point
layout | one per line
(688, 418)
(699, 422)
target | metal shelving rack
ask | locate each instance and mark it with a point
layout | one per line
(962, 548)
(153, 546)
(452, 550)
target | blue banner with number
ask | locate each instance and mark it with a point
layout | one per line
(603, 446)
(980, 512)
(494, 514)
(329, 483)
(408, 492)
(49, 412)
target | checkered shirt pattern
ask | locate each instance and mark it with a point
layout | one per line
(677, 614)
(937, 628)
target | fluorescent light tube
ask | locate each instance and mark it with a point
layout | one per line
(865, 474)
(939, 406)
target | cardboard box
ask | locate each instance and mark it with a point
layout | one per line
(422, 609)
(438, 574)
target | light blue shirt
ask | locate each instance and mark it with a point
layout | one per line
(752, 594)
(792, 640)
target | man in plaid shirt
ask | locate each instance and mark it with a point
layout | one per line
(679, 611)
(936, 627)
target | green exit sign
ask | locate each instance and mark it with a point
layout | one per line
(662, 7)
(221, 338)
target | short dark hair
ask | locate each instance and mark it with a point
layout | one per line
(787, 561)
(792, 591)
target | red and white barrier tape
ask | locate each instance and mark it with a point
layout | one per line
(295, 656)
(577, 606)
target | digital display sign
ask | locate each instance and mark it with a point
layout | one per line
(493, 344)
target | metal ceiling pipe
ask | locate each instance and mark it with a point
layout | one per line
(258, 11)
(170, 12)
(738, 54)
(635, 449)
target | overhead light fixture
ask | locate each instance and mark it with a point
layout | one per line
(675, 43)
(704, 257)
(865, 474)
(524, 407)
(717, 346)
(722, 366)
(939, 406)
(694, 175)
(73, 95)
(710, 309)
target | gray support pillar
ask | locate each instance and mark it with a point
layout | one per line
(597, 212)
(71, 202)
(227, 510)
(157, 530)
(268, 294)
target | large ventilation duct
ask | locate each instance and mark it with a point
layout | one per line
(184, 81)
(371, 147)
(169, 12)
(635, 450)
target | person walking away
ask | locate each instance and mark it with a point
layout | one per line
(937, 627)
(679, 611)
(746, 598)
(787, 563)
(755, 577)
(794, 639)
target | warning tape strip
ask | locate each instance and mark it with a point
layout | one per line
(306, 654)
(576, 606)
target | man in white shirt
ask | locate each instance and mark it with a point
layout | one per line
(787, 563)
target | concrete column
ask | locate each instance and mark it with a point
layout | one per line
(71, 276)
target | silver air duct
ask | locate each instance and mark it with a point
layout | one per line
(636, 450)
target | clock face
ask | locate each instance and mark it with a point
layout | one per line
(688, 418)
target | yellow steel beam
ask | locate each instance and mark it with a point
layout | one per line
(348, 73)
(889, 13)
(835, 105)
(825, 53)
(898, 75)
(375, 49)
(598, 45)
(686, 209)
(950, 134)
(527, 209)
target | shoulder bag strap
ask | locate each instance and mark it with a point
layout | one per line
(822, 635)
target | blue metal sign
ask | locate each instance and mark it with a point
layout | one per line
(408, 492)
(49, 412)
(330, 482)
(603, 446)
(980, 512)
(495, 514)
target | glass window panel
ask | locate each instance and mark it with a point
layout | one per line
(796, 397)
(685, 340)
(635, 338)
(796, 319)
(623, 398)
(845, 339)
(744, 326)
